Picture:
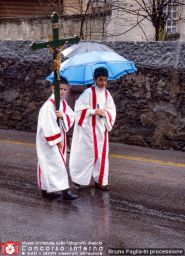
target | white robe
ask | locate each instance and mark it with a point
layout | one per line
(90, 143)
(51, 172)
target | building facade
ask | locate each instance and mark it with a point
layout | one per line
(112, 20)
(128, 22)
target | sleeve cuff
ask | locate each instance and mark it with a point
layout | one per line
(53, 140)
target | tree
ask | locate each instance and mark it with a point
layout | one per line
(158, 12)
(87, 13)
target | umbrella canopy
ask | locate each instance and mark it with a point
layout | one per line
(79, 69)
(84, 47)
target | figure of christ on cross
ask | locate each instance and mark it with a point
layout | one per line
(55, 46)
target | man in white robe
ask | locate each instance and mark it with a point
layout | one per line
(51, 146)
(95, 115)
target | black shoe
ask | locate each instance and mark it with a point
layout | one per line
(101, 187)
(68, 195)
(52, 195)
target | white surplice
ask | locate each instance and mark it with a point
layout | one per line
(90, 143)
(51, 172)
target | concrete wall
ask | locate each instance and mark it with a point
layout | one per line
(150, 104)
(123, 25)
(36, 29)
(25, 29)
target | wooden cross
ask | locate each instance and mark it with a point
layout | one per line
(55, 46)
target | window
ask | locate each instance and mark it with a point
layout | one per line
(171, 24)
(102, 6)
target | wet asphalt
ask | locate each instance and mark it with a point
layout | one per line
(144, 209)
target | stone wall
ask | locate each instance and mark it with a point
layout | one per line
(22, 85)
(150, 104)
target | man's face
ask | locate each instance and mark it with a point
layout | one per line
(63, 90)
(101, 81)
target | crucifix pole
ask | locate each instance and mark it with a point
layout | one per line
(55, 45)
(56, 59)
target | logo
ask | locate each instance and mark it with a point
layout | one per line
(10, 248)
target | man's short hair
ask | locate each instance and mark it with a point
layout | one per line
(101, 71)
(63, 80)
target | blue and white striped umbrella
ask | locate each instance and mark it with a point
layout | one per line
(79, 69)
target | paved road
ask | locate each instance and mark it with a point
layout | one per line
(144, 209)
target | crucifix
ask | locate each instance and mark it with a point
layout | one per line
(55, 45)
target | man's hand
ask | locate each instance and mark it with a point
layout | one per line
(59, 145)
(100, 112)
(59, 114)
